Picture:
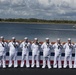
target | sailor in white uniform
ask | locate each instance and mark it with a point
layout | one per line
(57, 50)
(35, 47)
(25, 46)
(75, 56)
(3, 48)
(46, 47)
(68, 53)
(13, 49)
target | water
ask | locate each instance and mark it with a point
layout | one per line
(41, 31)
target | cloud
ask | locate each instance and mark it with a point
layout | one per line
(45, 9)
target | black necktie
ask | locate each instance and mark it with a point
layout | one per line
(2, 44)
(14, 44)
(70, 46)
(59, 46)
(26, 45)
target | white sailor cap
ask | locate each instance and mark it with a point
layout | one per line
(69, 38)
(58, 39)
(47, 38)
(35, 38)
(26, 38)
(13, 38)
(1, 37)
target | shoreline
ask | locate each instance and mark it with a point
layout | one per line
(40, 23)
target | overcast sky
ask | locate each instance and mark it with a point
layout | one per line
(43, 9)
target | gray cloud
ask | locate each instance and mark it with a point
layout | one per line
(43, 9)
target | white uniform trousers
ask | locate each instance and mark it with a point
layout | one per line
(23, 59)
(75, 61)
(3, 61)
(68, 57)
(13, 55)
(35, 56)
(57, 57)
(48, 62)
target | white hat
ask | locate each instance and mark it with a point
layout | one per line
(13, 38)
(69, 38)
(1, 37)
(26, 38)
(35, 38)
(58, 39)
(47, 38)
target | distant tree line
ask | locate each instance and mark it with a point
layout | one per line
(36, 20)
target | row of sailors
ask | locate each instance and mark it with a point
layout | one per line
(35, 47)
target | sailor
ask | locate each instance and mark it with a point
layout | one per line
(35, 47)
(46, 47)
(3, 48)
(75, 56)
(25, 46)
(68, 53)
(13, 49)
(57, 50)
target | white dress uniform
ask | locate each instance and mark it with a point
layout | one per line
(3, 48)
(68, 54)
(46, 54)
(25, 52)
(57, 50)
(13, 53)
(75, 56)
(35, 54)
